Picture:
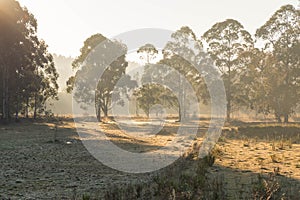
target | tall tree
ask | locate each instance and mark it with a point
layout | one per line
(258, 80)
(184, 53)
(99, 71)
(46, 79)
(281, 36)
(226, 41)
(23, 59)
(148, 94)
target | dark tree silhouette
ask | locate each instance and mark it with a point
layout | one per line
(28, 75)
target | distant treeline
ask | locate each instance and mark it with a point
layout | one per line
(260, 72)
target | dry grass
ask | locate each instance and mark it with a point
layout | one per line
(46, 159)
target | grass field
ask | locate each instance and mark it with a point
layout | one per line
(47, 160)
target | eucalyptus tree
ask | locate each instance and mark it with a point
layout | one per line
(226, 41)
(258, 80)
(24, 59)
(281, 36)
(13, 33)
(100, 65)
(184, 53)
(149, 93)
(46, 85)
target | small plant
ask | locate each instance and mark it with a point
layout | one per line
(222, 139)
(284, 143)
(260, 161)
(281, 145)
(288, 143)
(266, 187)
(275, 158)
(86, 197)
(246, 141)
(276, 171)
(273, 146)
(216, 188)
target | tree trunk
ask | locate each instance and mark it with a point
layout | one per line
(26, 108)
(136, 107)
(35, 107)
(3, 96)
(286, 118)
(229, 96)
(98, 106)
(277, 116)
(180, 99)
(17, 109)
(7, 102)
(98, 113)
(4, 114)
(228, 109)
(184, 102)
(179, 113)
(105, 112)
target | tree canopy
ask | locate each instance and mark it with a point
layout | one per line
(226, 41)
(101, 65)
(281, 36)
(28, 75)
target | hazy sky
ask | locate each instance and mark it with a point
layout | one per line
(65, 24)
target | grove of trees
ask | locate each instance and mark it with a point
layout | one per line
(261, 72)
(28, 75)
(264, 79)
(270, 77)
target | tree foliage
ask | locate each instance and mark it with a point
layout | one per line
(184, 53)
(281, 36)
(101, 65)
(150, 95)
(226, 41)
(28, 74)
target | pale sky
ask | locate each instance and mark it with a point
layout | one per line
(65, 24)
